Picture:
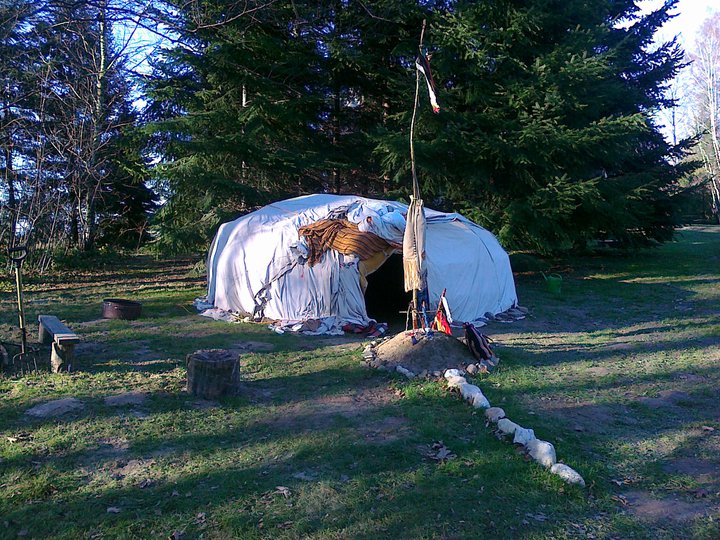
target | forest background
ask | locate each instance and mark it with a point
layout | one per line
(128, 125)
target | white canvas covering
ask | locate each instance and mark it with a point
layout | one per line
(253, 262)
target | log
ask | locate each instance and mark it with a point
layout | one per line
(212, 373)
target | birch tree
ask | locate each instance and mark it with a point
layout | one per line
(705, 73)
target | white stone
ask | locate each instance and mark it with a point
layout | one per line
(494, 414)
(542, 451)
(55, 408)
(456, 382)
(453, 373)
(568, 474)
(523, 436)
(506, 426)
(468, 391)
(409, 374)
(480, 401)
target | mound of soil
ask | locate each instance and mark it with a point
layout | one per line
(437, 354)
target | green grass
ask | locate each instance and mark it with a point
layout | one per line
(318, 446)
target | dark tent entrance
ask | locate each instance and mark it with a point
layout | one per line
(385, 296)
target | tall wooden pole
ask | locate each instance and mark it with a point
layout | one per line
(416, 185)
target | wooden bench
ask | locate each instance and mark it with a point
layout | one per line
(52, 330)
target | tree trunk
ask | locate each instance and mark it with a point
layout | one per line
(212, 373)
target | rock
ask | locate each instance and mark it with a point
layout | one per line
(455, 382)
(472, 369)
(452, 373)
(55, 408)
(489, 316)
(474, 395)
(494, 414)
(542, 451)
(522, 310)
(126, 398)
(423, 374)
(409, 374)
(568, 474)
(506, 426)
(480, 401)
(437, 374)
(468, 391)
(523, 436)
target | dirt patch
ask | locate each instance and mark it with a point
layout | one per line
(142, 351)
(587, 416)
(340, 343)
(390, 428)
(126, 398)
(131, 468)
(704, 472)
(668, 398)
(651, 509)
(623, 346)
(87, 349)
(203, 404)
(110, 447)
(324, 411)
(692, 377)
(598, 371)
(55, 408)
(437, 354)
(244, 347)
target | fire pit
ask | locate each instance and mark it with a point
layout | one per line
(116, 308)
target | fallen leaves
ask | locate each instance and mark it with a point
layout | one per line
(145, 483)
(19, 437)
(282, 490)
(624, 481)
(440, 453)
(269, 497)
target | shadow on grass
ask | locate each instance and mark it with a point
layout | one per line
(339, 479)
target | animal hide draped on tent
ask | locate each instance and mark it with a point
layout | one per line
(258, 264)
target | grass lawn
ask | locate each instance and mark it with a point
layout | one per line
(620, 372)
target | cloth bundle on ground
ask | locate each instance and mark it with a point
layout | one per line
(259, 263)
(479, 344)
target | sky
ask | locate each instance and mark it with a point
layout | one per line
(690, 15)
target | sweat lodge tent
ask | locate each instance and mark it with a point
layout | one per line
(261, 265)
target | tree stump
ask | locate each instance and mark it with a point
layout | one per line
(212, 373)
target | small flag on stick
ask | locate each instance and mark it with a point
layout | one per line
(422, 64)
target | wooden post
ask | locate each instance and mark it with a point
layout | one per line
(212, 373)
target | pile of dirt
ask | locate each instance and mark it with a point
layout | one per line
(427, 355)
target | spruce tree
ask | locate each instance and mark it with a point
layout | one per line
(546, 135)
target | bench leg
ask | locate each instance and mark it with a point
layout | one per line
(61, 357)
(44, 336)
